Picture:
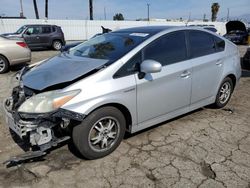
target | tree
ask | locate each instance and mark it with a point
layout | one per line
(118, 16)
(91, 9)
(46, 9)
(214, 9)
(36, 10)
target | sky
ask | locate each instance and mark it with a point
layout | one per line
(131, 9)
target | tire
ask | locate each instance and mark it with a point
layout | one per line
(57, 45)
(4, 64)
(223, 97)
(100, 133)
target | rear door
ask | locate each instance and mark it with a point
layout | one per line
(169, 90)
(45, 35)
(207, 65)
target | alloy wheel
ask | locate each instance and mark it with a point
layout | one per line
(104, 134)
(2, 65)
(225, 92)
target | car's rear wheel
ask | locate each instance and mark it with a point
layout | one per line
(224, 93)
(57, 45)
(100, 133)
(4, 64)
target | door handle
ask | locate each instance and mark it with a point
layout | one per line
(185, 74)
(219, 62)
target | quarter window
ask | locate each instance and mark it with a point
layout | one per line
(130, 67)
(201, 44)
(220, 44)
(168, 49)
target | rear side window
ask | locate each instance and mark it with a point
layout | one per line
(54, 28)
(219, 43)
(46, 29)
(168, 49)
(201, 44)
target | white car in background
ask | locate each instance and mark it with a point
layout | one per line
(12, 51)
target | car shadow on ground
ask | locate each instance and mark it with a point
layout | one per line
(18, 67)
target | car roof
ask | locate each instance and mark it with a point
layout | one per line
(145, 29)
(39, 25)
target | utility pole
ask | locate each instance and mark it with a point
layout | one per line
(227, 14)
(91, 9)
(204, 17)
(46, 9)
(36, 10)
(148, 10)
(21, 13)
(105, 17)
(189, 17)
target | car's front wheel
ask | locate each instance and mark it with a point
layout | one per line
(224, 93)
(4, 64)
(57, 45)
(100, 133)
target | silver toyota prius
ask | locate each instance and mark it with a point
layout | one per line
(126, 80)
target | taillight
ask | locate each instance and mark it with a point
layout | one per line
(23, 44)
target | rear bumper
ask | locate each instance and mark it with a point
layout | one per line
(26, 57)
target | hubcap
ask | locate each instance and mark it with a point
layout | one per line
(57, 45)
(2, 65)
(104, 134)
(225, 92)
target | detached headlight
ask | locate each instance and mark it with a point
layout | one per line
(47, 102)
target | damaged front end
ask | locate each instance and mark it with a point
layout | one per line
(40, 130)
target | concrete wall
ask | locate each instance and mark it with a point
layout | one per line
(84, 29)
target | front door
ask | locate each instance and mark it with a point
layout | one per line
(31, 36)
(169, 90)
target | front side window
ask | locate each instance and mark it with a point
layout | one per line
(201, 43)
(110, 46)
(168, 49)
(33, 30)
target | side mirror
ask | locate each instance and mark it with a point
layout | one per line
(150, 66)
(28, 33)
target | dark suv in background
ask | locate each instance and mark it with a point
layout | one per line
(39, 36)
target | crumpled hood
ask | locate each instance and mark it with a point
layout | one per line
(60, 69)
(10, 35)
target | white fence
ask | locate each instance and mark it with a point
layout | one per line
(84, 29)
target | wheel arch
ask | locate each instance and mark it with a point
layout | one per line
(233, 78)
(56, 39)
(5, 58)
(123, 109)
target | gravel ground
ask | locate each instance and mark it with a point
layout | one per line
(205, 148)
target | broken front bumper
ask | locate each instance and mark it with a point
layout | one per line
(40, 130)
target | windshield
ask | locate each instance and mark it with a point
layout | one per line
(110, 46)
(20, 30)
